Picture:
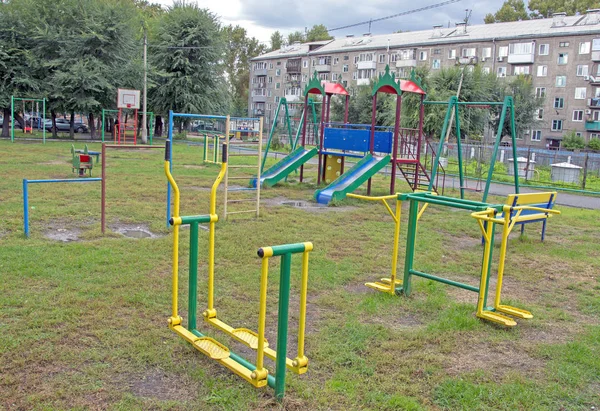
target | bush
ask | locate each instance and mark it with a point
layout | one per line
(572, 141)
(594, 144)
(180, 136)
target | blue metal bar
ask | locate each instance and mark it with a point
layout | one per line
(25, 208)
(186, 115)
(66, 180)
(244, 118)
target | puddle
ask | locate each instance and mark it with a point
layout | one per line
(62, 234)
(302, 204)
(136, 234)
(134, 231)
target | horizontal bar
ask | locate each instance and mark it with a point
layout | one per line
(432, 200)
(128, 146)
(206, 218)
(27, 99)
(361, 197)
(278, 250)
(244, 118)
(444, 280)
(238, 178)
(242, 189)
(186, 115)
(465, 103)
(242, 201)
(242, 212)
(65, 180)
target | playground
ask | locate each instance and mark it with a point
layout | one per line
(84, 318)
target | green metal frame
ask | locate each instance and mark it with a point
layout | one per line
(12, 115)
(150, 115)
(454, 104)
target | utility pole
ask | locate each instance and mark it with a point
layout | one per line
(145, 98)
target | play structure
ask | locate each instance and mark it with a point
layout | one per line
(109, 113)
(256, 374)
(519, 209)
(126, 100)
(35, 113)
(81, 161)
(105, 148)
(26, 194)
(246, 151)
(507, 112)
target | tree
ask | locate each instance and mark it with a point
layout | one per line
(594, 144)
(188, 58)
(511, 10)
(571, 141)
(318, 32)
(294, 37)
(276, 41)
(526, 104)
(545, 8)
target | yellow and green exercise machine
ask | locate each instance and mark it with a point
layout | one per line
(519, 209)
(255, 374)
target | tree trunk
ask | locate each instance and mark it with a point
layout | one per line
(54, 131)
(158, 126)
(111, 128)
(6, 123)
(137, 132)
(72, 125)
(99, 123)
(92, 125)
(20, 120)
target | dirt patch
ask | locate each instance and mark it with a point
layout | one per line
(65, 235)
(301, 204)
(160, 385)
(55, 163)
(134, 231)
(358, 287)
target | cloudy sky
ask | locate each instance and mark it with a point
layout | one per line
(262, 17)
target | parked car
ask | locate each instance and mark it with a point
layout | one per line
(65, 126)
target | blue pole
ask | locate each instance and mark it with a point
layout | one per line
(25, 208)
(170, 137)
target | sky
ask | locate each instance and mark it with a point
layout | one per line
(261, 18)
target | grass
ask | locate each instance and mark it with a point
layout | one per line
(83, 323)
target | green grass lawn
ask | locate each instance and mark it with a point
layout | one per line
(83, 324)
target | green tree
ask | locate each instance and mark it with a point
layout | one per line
(276, 41)
(294, 37)
(594, 144)
(545, 8)
(526, 104)
(188, 58)
(571, 141)
(318, 32)
(511, 10)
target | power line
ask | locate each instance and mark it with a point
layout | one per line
(404, 13)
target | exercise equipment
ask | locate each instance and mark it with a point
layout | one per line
(81, 162)
(41, 122)
(255, 374)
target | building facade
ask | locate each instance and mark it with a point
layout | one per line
(560, 54)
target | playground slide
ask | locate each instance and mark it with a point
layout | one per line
(285, 166)
(351, 179)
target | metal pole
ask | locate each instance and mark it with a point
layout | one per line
(103, 202)
(411, 240)
(321, 139)
(193, 281)
(459, 147)
(44, 119)
(282, 324)
(395, 147)
(170, 137)
(25, 208)
(12, 119)
(103, 125)
(303, 133)
(372, 139)
(145, 99)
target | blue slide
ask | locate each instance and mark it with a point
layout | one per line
(352, 179)
(285, 166)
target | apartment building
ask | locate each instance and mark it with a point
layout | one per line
(560, 54)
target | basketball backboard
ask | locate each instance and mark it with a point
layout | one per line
(128, 98)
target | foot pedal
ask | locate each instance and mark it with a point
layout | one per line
(212, 348)
(497, 318)
(389, 280)
(248, 337)
(379, 286)
(516, 312)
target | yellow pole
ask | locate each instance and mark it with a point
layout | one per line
(303, 292)
(260, 353)
(175, 240)
(395, 250)
(260, 138)
(487, 234)
(505, 233)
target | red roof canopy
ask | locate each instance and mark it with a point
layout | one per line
(411, 87)
(335, 88)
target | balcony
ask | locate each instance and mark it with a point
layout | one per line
(594, 80)
(291, 98)
(466, 60)
(594, 102)
(259, 85)
(293, 66)
(406, 63)
(259, 97)
(260, 72)
(521, 58)
(322, 68)
(363, 81)
(367, 65)
(596, 55)
(258, 112)
(592, 125)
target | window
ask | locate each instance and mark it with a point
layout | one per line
(325, 60)
(366, 57)
(437, 52)
(366, 74)
(536, 135)
(582, 70)
(277, 86)
(503, 51)
(542, 71)
(557, 125)
(486, 52)
(578, 134)
(518, 70)
(577, 115)
(334, 77)
(346, 58)
(403, 72)
(408, 54)
(563, 44)
(314, 62)
(355, 59)
(435, 65)
(336, 60)
(584, 47)
(520, 48)
(563, 58)
(345, 83)
(279, 63)
(394, 57)
(486, 70)
(580, 93)
(354, 74)
(539, 114)
(452, 54)
(501, 72)
(559, 102)
(422, 55)
(544, 49)
(276, 99)
(345, 68)
(469, 52)
(270, 80)
(270, 66)
(382, 58)
(269, 93)
(561, 81)
(540, 92)
(323, 76)
(304, 78)
(278, 72)
(305, 63)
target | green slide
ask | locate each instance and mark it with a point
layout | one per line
(285, 166)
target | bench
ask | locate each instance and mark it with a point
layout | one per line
(540, 200)
(81, 161)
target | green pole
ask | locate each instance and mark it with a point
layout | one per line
(44, 119)
(216, 147)
(205, 147)
(281, 101)
(289, 127)
(193, 281)
(103, 125)
(436, 161)
(12, 119)
(459, 147)
(411, 240)
(282, 324)
(299, 130)
(496, 145)
(489, 268)
(513, 133)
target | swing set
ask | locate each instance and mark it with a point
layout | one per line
(35, 109)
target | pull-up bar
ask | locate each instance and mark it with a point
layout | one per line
(466, 103)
